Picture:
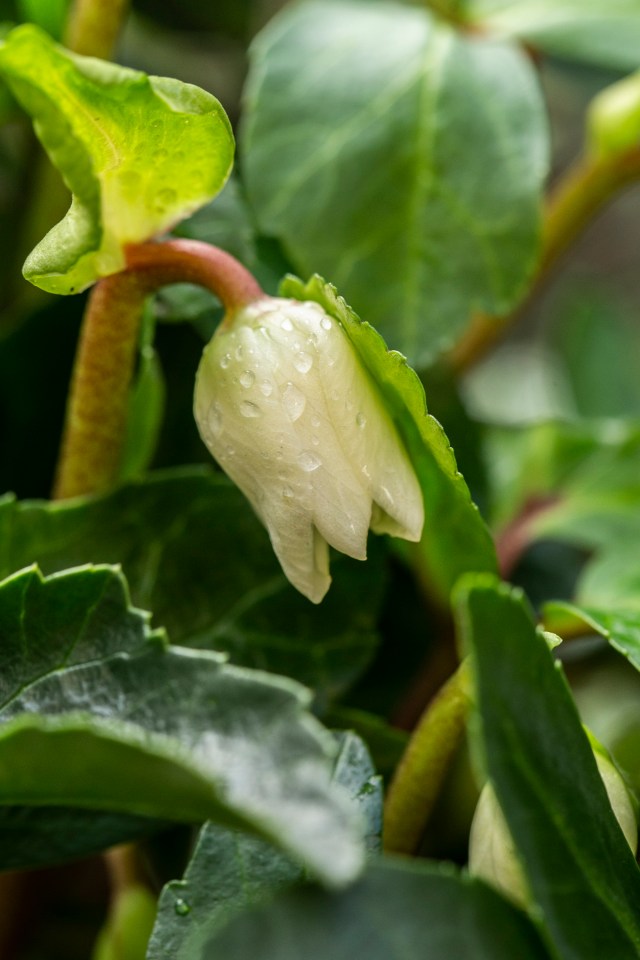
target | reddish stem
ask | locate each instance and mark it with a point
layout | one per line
(99, 395)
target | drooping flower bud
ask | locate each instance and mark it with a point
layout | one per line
(492, 852)
(285, 406)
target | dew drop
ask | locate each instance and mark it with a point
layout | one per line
(239, 352)
(315, 421)
(361, 420)
(181, 907)
(287, 493)
(266, 388)
(315, 441)
(309, 461)
(215, 418)
(225, 361)
(303, 362)
(248, 409)
(287, 325)
(325, 323)
(247, 379)
(294, 402)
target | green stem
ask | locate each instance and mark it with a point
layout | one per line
(97, 409)
(93, 26)
(424, 765)
(581, 193)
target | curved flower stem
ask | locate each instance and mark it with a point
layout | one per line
(581, 193)
(99, 394)
(424, 765)
(93, 26)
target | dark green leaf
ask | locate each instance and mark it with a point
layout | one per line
(455, 539)
(583, 878)
(133, 172)
(402, 166)
(230, 871)
(398, 911)
(195, 554)
(172, 734)
(604, 32)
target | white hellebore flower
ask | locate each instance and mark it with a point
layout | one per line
(492, 852)
(289, 412)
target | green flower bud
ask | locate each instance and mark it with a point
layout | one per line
(285, 406)
(613, 118)
(492, 852)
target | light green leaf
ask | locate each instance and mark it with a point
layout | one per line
(138, 154)
(173, 733)
(584, 881)
(230, 871)
(400, 910)
(455, 538)
(388, 152)
(620, 626)
(183, 538)
(603, 32)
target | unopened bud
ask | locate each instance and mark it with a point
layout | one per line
(287, 409)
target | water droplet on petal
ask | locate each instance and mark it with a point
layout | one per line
(303, 362)
(225, 361)
(248, 409)
(247, 378)
(181, 907)
(361, 420)
(214, 418)
(325, 323)
(315, 421)
(287, 325)
(309, 461)
(287, 493)
(315, 441)
(366, 472)
(294, 402)
(239, 352)
(266, 388)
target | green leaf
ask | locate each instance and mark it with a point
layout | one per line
(230, 871)
(584, 881)
(398, 911)
(41, 836)
(51, 15)
(138, 154)
(620, 626)
(172, 733)
(602, 32)
(455, 538)
(184, 538)
(146, 410)
(402, 166)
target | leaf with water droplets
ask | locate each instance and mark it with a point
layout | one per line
(138, 154)
(230, 870)
(174, 734)
(455, 538)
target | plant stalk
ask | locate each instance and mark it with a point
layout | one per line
(93, 26)
(97, 409)
(424, 765)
